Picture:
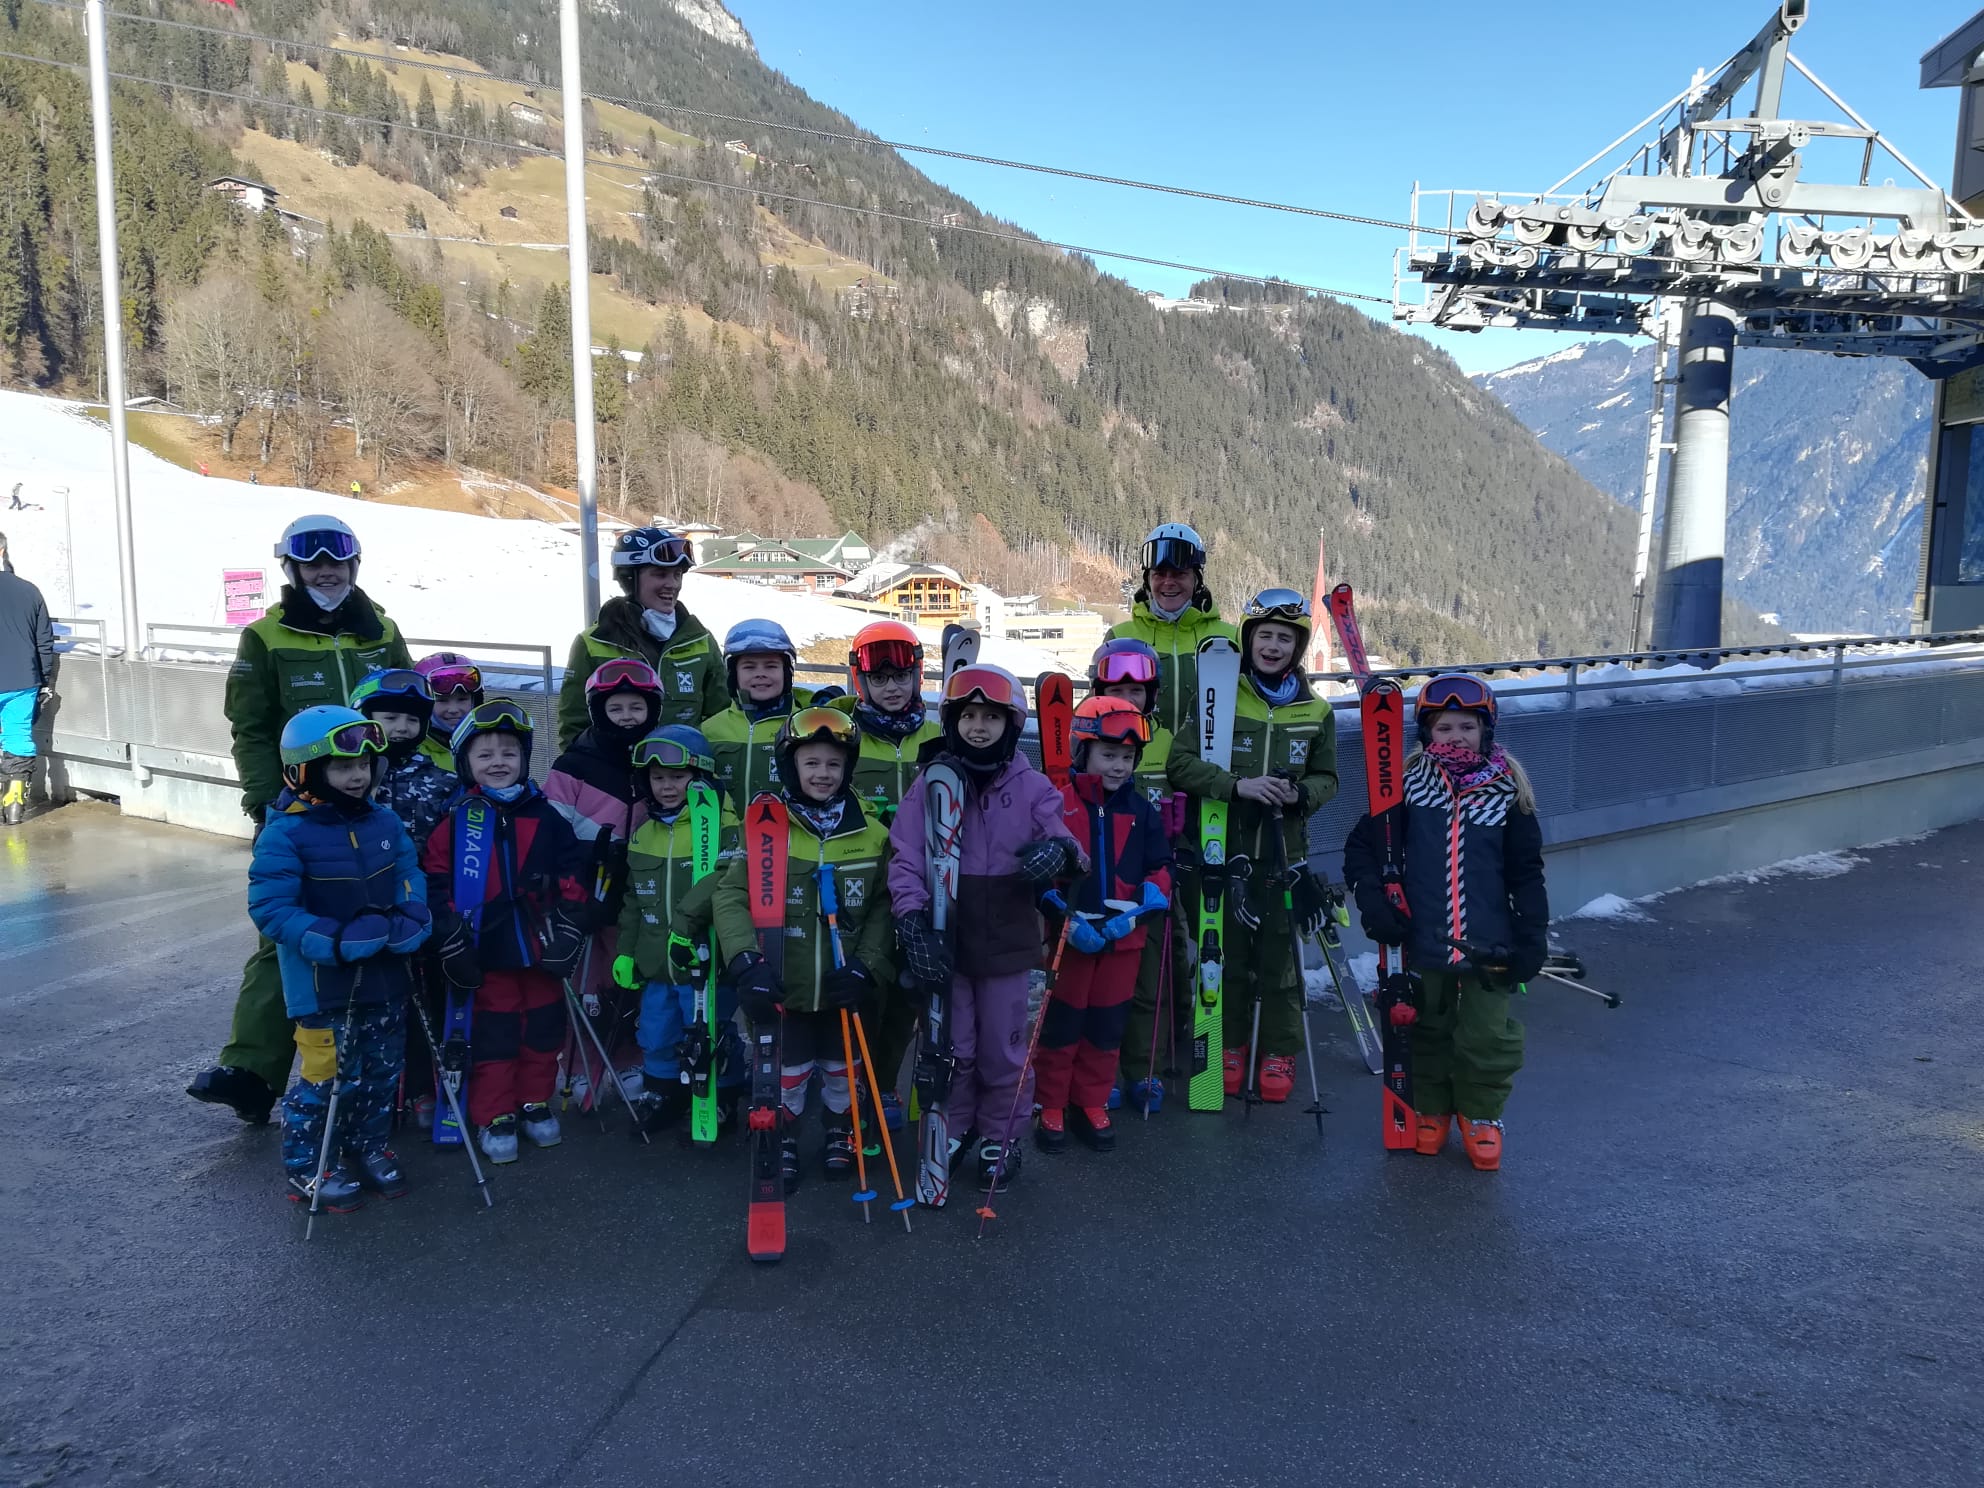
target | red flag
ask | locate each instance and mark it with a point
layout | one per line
(224, 2)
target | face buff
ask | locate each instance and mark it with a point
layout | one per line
(325, 602)
(658, 625)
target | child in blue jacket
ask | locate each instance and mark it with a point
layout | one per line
(336, 885)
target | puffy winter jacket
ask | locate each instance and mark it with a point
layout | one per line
(858, 851)
(1177, 645)
(743, 748)
(998, 924)
(1126, 845)
(690, 666)
(594, 789)
(1296, 738)
(27, 639)
(316, 867)
(664, 896)
(531, 864)
(1473, 864)
(418, 792)
(295, 657)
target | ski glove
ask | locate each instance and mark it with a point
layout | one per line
(1311, 899)
(924, 949)
(846, 985)
(1084, 937)
(1047, 859)
(363, 935)
(1154, 898)
(758, 989)
(411, 925)
(685, 958)
(560, 944)
(1526, 960)
(456, 947)
(624, 974)
(1384, 922)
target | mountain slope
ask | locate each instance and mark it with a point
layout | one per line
(990, 402)
(1827, 461)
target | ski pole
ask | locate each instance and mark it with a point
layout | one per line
(331, 1107)
(985, 1210)
(1157, 1010)
(453, 1097)
(1554, 967)
(1288, 873)
(606, 1064)
(830, 910)
(902, 1205)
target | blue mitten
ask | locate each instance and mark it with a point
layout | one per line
(363, 935)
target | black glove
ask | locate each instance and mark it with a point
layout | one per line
(758, 990)
(685, 959)
(364, 934)
(1383, 920)
(846, 985)
(924, 949)
(1046, 860)
(454, 943)
(1526, 960)
(1312, 900)
(561, 944)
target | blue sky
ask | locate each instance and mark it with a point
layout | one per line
(1312, 102)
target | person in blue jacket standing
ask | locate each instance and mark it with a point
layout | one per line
(27, 672)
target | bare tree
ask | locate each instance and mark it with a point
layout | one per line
(477, 396)
(377, 365)
(222, 357)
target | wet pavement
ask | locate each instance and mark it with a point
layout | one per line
(1735, 1240)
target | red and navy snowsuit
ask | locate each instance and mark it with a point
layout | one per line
(529, 864)
(1081, 1033)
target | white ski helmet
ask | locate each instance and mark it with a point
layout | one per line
(310, 538)
(1174, 545)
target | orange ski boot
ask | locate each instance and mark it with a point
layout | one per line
(1233, 1066)
(1483, 1141)
(1277, 1077)
(1432, 1134)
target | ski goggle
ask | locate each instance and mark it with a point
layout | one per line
(622, 673)
(452, 679)
(666, 551)
(828, 724)
(501, 716)
(1276, 604)
(307, 547)
(886, 656)
(1125, 666)
(1128, 727)
(1173, 552)
(988, 683)
(399, 682)
(671, 754)
(1457, 691)
(353, 741)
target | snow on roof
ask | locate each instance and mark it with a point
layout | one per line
(879, 578)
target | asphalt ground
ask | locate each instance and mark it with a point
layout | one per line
(1735, 1240)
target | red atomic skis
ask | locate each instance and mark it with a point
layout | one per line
(1382, 710)
(1054, 702)
(765, 842)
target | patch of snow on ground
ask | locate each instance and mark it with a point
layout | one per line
(1609, 907)
(1365, 969)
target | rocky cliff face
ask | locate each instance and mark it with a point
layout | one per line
(1828, 456)
(710, 18)
(1065, 345)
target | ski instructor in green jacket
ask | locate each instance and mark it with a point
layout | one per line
(650, 624)
(310, 648)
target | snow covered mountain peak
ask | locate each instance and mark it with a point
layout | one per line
(710, 18)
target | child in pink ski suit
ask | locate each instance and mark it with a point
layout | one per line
(1014, 844)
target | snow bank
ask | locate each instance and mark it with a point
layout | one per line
(1608, 907)
(449, 576)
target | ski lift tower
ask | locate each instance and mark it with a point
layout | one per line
(1725, 217)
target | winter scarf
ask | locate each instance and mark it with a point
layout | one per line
(1278, 694)
(824, 819)
(892, 726)
(1466, 769)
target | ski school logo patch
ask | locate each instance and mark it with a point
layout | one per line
(854, 892)
(1298, 752)
(685, 681)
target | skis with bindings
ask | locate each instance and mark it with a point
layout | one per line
(1336, 913)
(943, 824)
(1054, 704)
(960, 650)
(1218, 680)
(766, 840)
(700, 1044)
(1382, 711)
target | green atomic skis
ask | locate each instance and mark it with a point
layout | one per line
(1382, 711)
(701, 1043)
(766, 839)
(943, 822)
(1054, 704)
(1219, 677)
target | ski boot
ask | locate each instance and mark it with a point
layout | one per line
(499, 1140)
(788, 1152)
(838, 1159)
(1483, 1141)
(338, 1194)
(1277, 1078)
(1432, 1137)
(1116, 1096)
(998, 1165)
(892, 1111)
(243, 1091)
(1233, 1066)
(660, 1112)
(540, 1125)
(1148, 1095)
(1050, 1132)
(423, 1112)
(380, 1170)
(1093, 1126)
(14, 804)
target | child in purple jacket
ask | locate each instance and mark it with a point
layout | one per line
(1014, 844)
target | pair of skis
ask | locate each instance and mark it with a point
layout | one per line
(1053, 703)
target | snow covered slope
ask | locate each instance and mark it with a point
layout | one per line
(441, 575)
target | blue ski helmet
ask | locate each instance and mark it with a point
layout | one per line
(676, 746)
(757, 638)
(326, 732)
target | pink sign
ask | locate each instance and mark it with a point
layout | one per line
(243, 594)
